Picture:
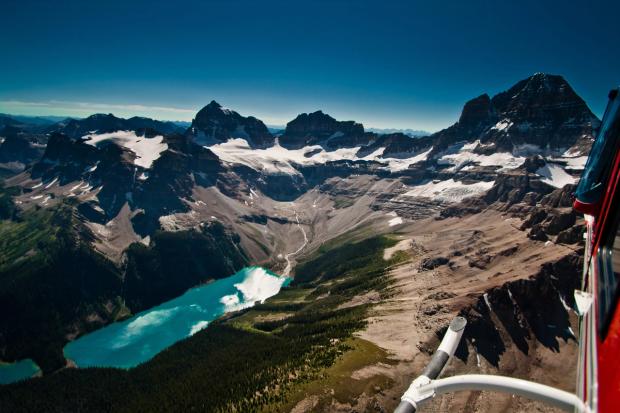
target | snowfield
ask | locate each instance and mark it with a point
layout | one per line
(460, 156)
(502, 125)
(449, 190)
(555, 175)
(147, 150)
(280, 160)
(257, 286)
(576, 162)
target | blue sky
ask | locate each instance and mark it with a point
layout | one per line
(402, 64)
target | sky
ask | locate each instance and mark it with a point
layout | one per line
(388, 64)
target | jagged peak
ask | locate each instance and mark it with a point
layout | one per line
(540, 86)
(219, 124)
(477, 110)
(213, 104)
(214, 108)
(317, 114)
(320, 115)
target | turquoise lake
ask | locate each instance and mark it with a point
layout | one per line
(135, 340)
(19, 370)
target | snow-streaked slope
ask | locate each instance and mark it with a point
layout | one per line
(572, 162)
(147, 150)
(449, 190)
(555, 175)
(279, 160)
(461, 155)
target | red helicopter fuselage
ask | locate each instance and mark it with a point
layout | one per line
(598, 197)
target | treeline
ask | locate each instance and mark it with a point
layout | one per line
(230, 366)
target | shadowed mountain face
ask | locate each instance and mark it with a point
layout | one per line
(156, 209)
(214, 124)
(542, 110)
(318, 128)
(515, 309)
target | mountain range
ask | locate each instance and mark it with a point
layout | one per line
(105, 217)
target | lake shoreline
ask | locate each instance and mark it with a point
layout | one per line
(135, 340)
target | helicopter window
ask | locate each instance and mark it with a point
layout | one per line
(592, 183)
(609, 276)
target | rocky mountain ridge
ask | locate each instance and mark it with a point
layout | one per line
(105, 123)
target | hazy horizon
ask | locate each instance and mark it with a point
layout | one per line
(84, 109)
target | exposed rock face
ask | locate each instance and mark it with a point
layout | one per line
(160, 190)
(64, 158)
(537, 233)
(559, 198)
(542, 110)
(102, 123)
(214, 124)
(515, 309)
(513, 186)
(477, 113)
(432, 263)
(171, 180)
(397, 145)
(560, 221)
(571, 235)
(319, 128)
(477, 116)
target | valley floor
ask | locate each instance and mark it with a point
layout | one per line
(422, 301)
(359, 322)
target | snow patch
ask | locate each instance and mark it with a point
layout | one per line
(502, 125)
(555, 175)
(449, 190)
(147, 150)
(198, 326)
(51, 183)
(258, 285)
(395, 221)
(487, 301)
(461, 156)
(278, 160)
(577, 162)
